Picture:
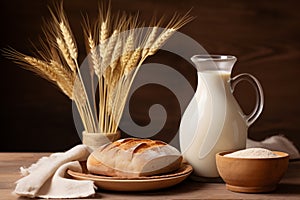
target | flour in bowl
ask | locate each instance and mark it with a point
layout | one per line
(252, 153)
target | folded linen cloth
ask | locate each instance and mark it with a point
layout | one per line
(48, 179)
(276, 143)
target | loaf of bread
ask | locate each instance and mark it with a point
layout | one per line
(134, 157)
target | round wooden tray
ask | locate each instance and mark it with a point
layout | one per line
(136, 184)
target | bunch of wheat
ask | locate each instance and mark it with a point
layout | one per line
(117, 47)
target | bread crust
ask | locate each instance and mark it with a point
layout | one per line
(134, 157)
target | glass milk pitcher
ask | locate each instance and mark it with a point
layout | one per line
(214, 121)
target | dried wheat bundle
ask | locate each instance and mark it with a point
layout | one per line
(117, 46)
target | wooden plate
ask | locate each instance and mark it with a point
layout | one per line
(136, 184)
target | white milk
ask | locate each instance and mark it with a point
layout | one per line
(212, 122)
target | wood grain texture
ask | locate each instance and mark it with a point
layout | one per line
(289, 186)
(264, 35)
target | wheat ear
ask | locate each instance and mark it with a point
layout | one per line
(50, 73)
(150, 40)
(128, 49)
(40, 66)
(66, 80)
(71, 45)
(66, 54)
(109, 50)
(104, 26)
(96, 60)
(174, 24)
(133, 61)
(160, 41)
(116, 53)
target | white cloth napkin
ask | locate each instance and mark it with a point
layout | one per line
(48, 179)
(276, 143)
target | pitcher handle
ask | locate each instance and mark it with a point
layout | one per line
(250, 119)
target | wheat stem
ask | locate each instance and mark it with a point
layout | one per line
(72, 49)
(89, 108)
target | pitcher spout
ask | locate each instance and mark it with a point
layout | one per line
(207, 62)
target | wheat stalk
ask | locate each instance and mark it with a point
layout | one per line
(72, 49)
(94, 59)
(115, 62)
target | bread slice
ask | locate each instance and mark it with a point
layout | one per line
(133, 157)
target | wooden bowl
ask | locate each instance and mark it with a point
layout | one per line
(252, 175)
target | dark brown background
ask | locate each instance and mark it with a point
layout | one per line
(263, 34)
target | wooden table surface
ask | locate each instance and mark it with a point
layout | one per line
(289, 187)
